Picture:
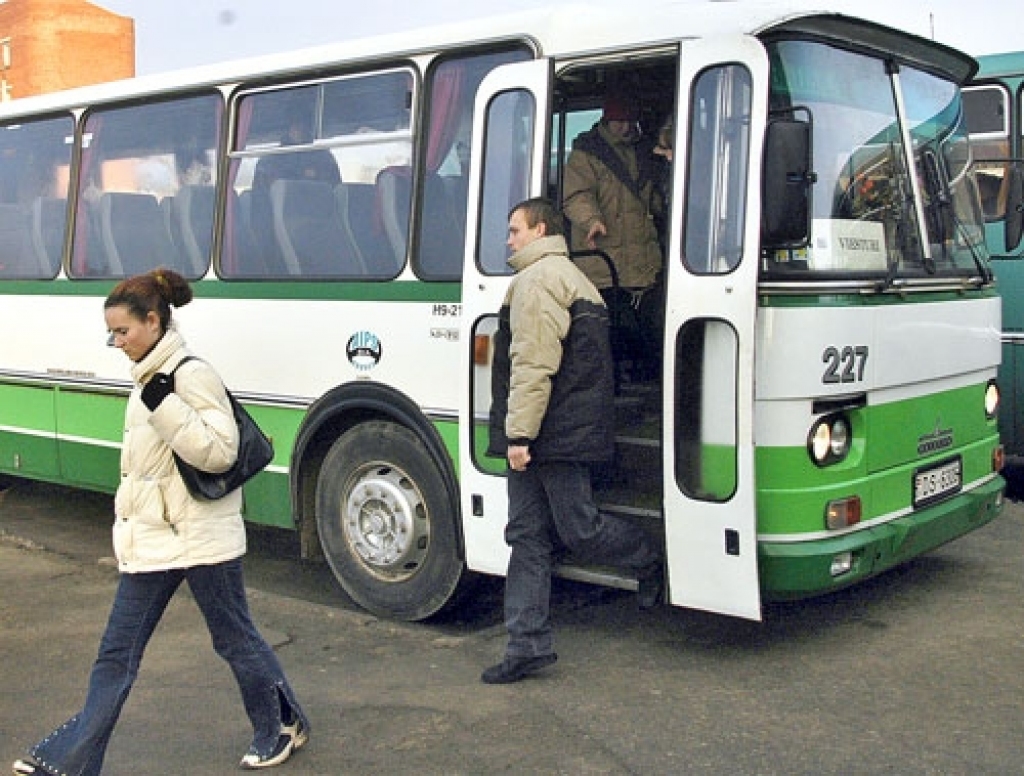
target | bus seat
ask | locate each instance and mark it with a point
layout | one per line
(442, 236)
(166, 212)
(394, 201)
(192, 220)
(17, 258)
(245, 209)
(49, 218)
(309, 232)
(356, 209)
(442, 239)
(134, 234)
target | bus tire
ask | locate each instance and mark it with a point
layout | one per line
(386, 523)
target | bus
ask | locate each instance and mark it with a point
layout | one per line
(992, 103)
(827, 404)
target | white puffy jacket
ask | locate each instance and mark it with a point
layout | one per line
(158, 525)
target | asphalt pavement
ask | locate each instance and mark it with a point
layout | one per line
(915, 673)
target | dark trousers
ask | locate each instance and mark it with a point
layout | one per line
(78, 746)
(637, 328)
(551, 505)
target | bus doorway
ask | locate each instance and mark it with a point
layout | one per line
(684, 467)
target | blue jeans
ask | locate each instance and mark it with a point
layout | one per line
(78, 746)
(551, 504)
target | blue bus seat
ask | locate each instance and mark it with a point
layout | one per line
(17, 257)
(192, 222)
(309, 232)
(49, 219)
(357, 210)
(134, 234)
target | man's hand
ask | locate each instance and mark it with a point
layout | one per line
(597, 230)
(518, 457)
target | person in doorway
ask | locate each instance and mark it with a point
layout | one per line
(163, 536)
(663, 177)
(613, 202)
(552, 387)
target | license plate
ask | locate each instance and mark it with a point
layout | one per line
(937, 482)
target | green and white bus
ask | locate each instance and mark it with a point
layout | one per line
(993, 105)
(827, 408)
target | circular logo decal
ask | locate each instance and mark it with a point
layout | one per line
(363, 350)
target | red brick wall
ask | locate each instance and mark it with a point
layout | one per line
(59, 44)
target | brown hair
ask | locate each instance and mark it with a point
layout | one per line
(155, 291)
(541, 210)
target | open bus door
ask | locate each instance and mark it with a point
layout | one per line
(508, 164)
(711, 275)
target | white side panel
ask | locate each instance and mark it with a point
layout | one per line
(293, 350)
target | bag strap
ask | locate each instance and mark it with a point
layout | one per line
(231, 397)
(186, 358)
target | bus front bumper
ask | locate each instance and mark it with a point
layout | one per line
(795, 570)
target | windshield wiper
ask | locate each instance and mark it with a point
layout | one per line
(942, 214)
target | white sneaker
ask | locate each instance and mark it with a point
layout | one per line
(293, 737)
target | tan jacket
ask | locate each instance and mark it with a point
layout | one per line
(158, 525)
(552, 383)
(593, 192)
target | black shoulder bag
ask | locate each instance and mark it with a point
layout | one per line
(255, 451)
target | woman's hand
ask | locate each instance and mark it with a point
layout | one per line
(157, 389)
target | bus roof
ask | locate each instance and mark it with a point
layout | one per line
(1008, 63)
(555, 31)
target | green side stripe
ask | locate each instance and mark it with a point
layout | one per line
(73, 437)
(391, 291)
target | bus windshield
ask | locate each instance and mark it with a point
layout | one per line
(873, 213)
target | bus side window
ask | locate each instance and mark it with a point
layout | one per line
(35, 158)
(309, 203)
(987, 113)
(442, 216)
(136, 158)
(717, 181)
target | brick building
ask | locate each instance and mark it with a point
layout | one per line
(49, 45)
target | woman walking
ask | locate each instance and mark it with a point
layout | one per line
(164, 536)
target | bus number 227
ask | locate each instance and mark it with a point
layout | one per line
(845, 364)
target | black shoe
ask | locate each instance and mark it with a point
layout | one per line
(512, 669)
(650, 586)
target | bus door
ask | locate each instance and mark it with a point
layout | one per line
(508, 163)
(711, 275)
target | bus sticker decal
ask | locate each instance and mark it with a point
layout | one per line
(363, 350)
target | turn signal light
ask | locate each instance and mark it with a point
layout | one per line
(481, 350)
(998, 458)
(842, 513)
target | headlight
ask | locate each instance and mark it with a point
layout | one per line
(991, 399)
(829, 440)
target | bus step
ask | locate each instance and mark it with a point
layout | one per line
(606, 577)
(629, 504)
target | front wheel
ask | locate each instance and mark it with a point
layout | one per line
(386, 522)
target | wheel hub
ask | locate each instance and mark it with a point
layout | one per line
(384, 522)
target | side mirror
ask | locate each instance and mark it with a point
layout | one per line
(786, 183)
(1014, 206)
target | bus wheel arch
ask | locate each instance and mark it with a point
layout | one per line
(376, 487)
